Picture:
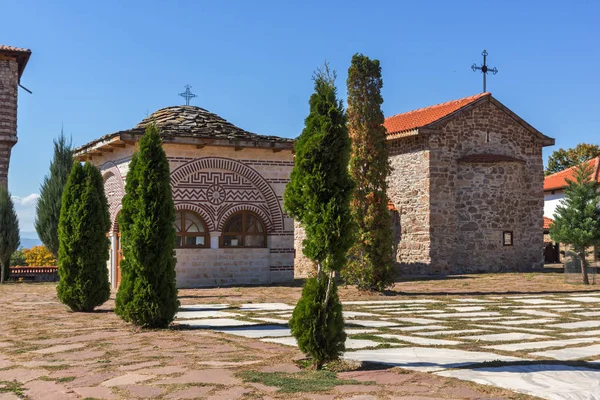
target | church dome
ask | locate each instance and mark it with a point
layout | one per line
(194, 121)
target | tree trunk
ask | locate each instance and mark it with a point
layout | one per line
(1, 273)
(584, 273)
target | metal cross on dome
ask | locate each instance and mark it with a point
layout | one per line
(484, 69)
(187, 95)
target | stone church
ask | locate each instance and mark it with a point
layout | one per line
(467, 187)
(12, 64)
(227, 187)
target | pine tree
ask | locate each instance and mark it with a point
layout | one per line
(147, 296)
(318, 196)
(577, 219)
(50, 201)
(9, 232)
(83, 245)
(371, 264)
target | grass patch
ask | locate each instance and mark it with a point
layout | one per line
(66, 379)
(13, 387)
(304, 381)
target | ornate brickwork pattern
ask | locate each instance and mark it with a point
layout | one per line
(9, 71)
(221, 187)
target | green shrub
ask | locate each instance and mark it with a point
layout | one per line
(147, 296)
(318, 330)
(83, 245)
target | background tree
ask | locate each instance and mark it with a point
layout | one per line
(318, 196)
(83, 245)
(9, 232)
(50, 201)
(577, 219)
(147, 295)
(562, 159)
(18, 258)
(39, 256)
(371, 263)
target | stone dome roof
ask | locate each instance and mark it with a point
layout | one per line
(197, 122)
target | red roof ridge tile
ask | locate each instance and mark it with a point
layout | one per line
(472, 97)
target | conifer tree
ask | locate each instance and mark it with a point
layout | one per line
(577, 219)
(318, 196)
(9, 232)
(147, 295)
(50, 201)
(83, 245)
(371, 265)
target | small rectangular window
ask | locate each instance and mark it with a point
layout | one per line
(507, 238)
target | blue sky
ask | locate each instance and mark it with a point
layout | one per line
(98, 67)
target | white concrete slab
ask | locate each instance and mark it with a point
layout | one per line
(420, 340)
(394, 308)
(266, 307)
(272, 320)
(583, 333)
(538, 301)
(419, 328)
(588, 299)
(371, 324)
(589, 313)
(468, 314)
(540, 345)
(553, 382)
(359, 331)
(536, 313)
(287, 341)
(213, 322)
(409, 301)
(422, 321)
(467, 309)
(258, 331)
(360, 343)
(415, 312)
(576, 325)
(571, 353)
(205, 314)
(504, 337)
(425, 358)
(585, 294)
(551, 306)
(354, 314)
(471, 300)
(526, 322)
(450, 332)
(513, 328)
(203, 307)
(503, 318)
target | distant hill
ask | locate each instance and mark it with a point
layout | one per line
(28, 243)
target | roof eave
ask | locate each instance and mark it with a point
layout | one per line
(21, 56)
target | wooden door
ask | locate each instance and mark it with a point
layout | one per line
(119, 258)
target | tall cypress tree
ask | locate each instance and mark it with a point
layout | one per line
(9, 232)
(318, 196)
(577, 219)
(50, 201)
(371, 265)
(147, 294)
(83, 245)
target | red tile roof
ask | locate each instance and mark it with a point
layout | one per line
(425, 116)
(16, 49)
(557, 180)
(547, 222)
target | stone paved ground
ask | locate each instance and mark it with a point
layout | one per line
(47, 352)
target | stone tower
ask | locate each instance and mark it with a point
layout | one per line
(12, 65)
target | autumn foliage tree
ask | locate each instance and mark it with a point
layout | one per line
(562, 159)
(39, 256)
(371, 265)
(318, 196)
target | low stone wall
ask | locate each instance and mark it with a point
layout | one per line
(33, 274)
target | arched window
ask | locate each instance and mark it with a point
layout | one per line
(191, 230)
(244, 229)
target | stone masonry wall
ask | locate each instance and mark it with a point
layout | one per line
(473, 203)
(257, 185)
(9, 77)
(409, 191)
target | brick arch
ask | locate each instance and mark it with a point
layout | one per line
(114, 189)
(201, 211)
(264, 217)
(274, 213)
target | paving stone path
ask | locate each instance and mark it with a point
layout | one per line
(546, 345)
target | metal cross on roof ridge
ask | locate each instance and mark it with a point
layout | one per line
(484, 69)
(187, 95)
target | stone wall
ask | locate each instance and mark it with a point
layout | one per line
(9, 77)
(214, 182)
(408, 190)
(485, 199)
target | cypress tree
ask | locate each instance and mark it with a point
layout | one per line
(9, 232)
(147, 295)
(83, 245)
(577, 219)
(50, 201)
(371, 264)
(318, 196)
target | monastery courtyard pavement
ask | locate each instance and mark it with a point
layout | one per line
(544, 344)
